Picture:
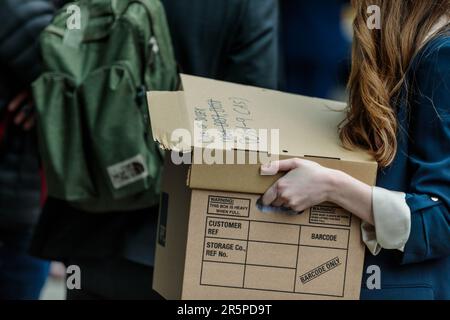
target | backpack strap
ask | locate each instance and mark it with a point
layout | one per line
(118, 7)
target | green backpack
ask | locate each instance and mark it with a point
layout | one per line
(93, 123)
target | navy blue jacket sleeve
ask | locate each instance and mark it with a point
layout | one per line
(429, 193)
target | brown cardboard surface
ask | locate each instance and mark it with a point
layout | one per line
(246, 254)
(172, 230)
(213, 240)
(307, 125)
(247, 178)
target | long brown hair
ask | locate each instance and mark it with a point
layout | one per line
(380, 59)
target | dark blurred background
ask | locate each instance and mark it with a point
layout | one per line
(315, 47)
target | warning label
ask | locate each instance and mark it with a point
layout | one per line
(226, 206)
(328, 215)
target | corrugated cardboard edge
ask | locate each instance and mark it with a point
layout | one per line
(168, 114)
(170, 258)
(173, 110)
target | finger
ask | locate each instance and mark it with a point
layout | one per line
(17, 101)
(279, 166)
(270, 195)
(278, 202)
(301, 206)
(269, 169)
(25, 113)
(19, 118)
(29, 124)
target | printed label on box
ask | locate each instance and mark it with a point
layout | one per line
(329, 215)
(299, 259)
(226, 206)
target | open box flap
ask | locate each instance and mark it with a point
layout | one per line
(168, 113)
(307, 127)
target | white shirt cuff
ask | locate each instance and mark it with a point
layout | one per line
(392, 217)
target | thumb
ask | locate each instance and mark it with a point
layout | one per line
(274, 167)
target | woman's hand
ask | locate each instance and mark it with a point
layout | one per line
(305, 185)
(308, 184)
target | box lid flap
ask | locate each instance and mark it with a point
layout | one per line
(307, 126)
(168, 113)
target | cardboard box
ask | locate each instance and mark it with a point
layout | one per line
(214, 242)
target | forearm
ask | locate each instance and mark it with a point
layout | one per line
(352, 195)
(385, 214)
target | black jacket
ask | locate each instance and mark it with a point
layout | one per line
(231, 40)
(21, 23)
(234, 40)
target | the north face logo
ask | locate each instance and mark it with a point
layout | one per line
(127, 172)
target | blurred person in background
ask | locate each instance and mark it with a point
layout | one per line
(315, 49)
(21, 276)
(233, 40)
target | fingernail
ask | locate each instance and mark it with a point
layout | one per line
(268, 170)
(265, 166)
